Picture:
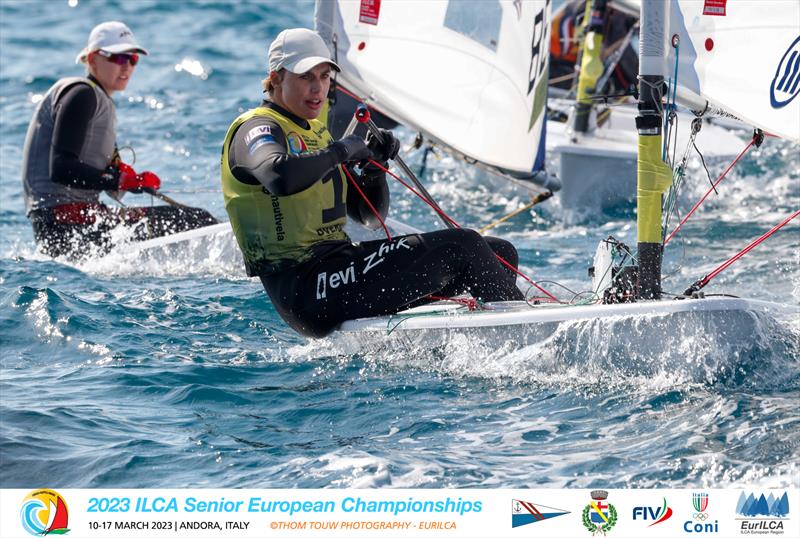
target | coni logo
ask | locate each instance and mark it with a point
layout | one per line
(44, 512)
(786, 84)
(700, 519)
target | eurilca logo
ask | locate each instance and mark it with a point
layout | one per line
(44, 512)
(526, 512)
(764, 514)
(786, 84)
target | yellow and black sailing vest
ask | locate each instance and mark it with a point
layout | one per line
(277, 232)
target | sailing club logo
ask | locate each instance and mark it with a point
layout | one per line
(526, 512)
(657, 515)
(701, 521)
(786, 84)
(599, 516)
(44, 512)
(762, 514)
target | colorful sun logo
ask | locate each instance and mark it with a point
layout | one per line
(44, 512)
(296, 143)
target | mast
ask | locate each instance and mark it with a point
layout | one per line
(591, 62)
(653, 176)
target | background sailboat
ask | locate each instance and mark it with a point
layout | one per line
(595, 145)
(767, 99)
(472, 76)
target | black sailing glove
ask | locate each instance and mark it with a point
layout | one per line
(352, 148)
(386, 150)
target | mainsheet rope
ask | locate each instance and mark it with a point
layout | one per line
(444, 215)
(549, 296)
(364, 196)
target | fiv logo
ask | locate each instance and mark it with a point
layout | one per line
(657, 515)
(786, 84)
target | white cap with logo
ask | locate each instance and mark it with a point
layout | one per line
(298, 50)
(110, 36)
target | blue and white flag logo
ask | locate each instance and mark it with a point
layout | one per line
(786, 84)
(526, 512)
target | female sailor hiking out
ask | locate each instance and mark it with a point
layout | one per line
(285, 183)
(71, 156)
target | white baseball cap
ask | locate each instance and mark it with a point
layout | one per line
(298, 50)
(110, 36)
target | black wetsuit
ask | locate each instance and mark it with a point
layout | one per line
(65, 229)
(346, 281)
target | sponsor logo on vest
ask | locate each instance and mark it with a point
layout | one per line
(339, 278)
(257, 132)
(762, 514)
(786, 84)
(326, 230)
(320, 133)
(386, 247)
(266, 139)
(278, 215)
(699, 522)
(296, 143)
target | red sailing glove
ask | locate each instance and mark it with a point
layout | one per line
(129, 180)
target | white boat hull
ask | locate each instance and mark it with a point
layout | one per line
(640, 338)
(598, 170)
(699, 336)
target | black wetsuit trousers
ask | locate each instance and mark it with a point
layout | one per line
(89, 232)
(377, 278)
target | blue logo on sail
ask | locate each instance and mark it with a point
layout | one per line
(786, 84)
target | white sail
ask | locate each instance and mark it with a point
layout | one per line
(741, 56)
(470, 75)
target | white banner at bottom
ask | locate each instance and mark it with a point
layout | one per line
(298, 513)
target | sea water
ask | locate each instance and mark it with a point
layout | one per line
(121, 372)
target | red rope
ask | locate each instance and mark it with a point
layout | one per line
(713, 187)
(471, 304)
(424, 199)
(364, 196)
(350, 94)
(744, 251)
(550, 296)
